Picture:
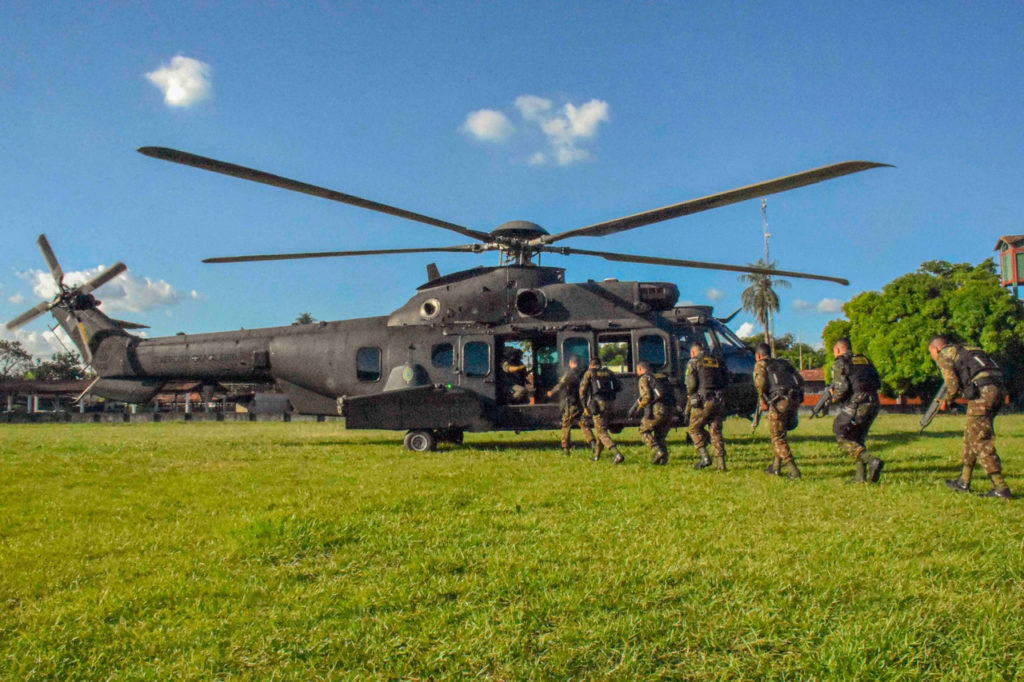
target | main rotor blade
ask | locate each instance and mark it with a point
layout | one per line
(715, 200)
(29, 315)
(468, 248)
(254, 175)
(675, 262)
(51, 259)
(102, 278)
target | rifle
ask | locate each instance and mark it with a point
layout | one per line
(634, 409)
(757, 418)
(820, 408)
(933, 409)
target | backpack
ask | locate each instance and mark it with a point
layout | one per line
(783, 380)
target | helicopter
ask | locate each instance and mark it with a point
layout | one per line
(434, 366)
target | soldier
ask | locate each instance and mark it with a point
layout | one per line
(855, 384)
(572, 409)
(597, 390)
(706, 379)
(514, 375)
(970, 372)
(656, 400)
(779, 391)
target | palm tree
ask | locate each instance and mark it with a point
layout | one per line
(760, 298)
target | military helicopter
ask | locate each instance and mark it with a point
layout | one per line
(433, 367)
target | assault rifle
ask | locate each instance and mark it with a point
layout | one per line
(933, 409)
(757, 418)
(820, 408)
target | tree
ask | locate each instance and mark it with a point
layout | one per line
(14, 359)
(60, 367)
(760, 299)
(801, 355)
(304, 318)
(893, 327)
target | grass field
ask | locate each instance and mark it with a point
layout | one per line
(299, 551)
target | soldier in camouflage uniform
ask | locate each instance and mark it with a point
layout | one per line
(970, 372)
(572, 409)
(597, 390)
(855, 384)
(656, 403)
(706, 380)
(774, 381)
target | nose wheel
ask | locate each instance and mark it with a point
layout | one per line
(420, 441)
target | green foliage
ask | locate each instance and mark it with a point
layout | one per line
(301, 551)
(14, 359)
(60, 366)
(893, 327)
(304, 318)
(786, 346)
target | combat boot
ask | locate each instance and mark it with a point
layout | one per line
(875, 467)
(1003, 493)
(567, 452)
(860, 475)
(773, 468)
(999, 487)
(720, 462)
(597, 447)
(618, 459)
(794, 470)
(660, 458)
(958, 485)
(705, 459)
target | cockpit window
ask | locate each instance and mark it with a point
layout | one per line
(727, 338)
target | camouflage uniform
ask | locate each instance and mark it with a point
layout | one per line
(781, 418)
(979, 436)
(855, 384)
(514, 375)
(598, 408)
(706, 405)
(572, 409)
(657, 419)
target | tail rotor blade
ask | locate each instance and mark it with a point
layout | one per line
(102, 278)
(29, 315)
(51, 260)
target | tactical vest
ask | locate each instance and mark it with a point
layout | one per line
(661, 389)
(971, 362)
(783, 381)
(711, 373)
(571, 386)
(603, 384)
(863, 375)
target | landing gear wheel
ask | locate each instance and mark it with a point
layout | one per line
(420, 441)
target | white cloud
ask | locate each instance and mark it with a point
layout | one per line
(802, 305)
(746, 329)
(488, 125)
(184, 81)
(564, 129)
(830, 305)
(16, 299)
(714, 294)
(39, 344)
(126, 292)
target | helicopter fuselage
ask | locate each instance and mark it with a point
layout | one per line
(436, 362)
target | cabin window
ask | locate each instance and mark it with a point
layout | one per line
(476, 359)
(726, 338)
(615, 352)
(368, 364)
(579, 347)
(651, 349)
(442, 355)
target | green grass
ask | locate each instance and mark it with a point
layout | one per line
(299, 551)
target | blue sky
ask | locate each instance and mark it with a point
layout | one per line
(669, 101)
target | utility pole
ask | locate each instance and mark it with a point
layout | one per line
(767, 236)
